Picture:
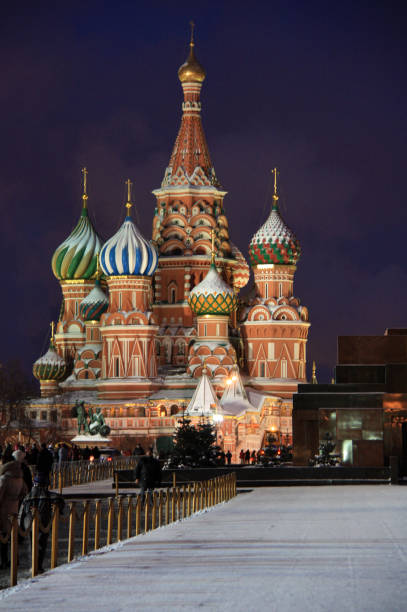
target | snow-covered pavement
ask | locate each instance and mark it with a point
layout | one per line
(338, 548)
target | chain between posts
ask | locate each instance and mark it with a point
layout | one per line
(157, 509)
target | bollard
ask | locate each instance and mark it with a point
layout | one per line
(129, 515)
(184, 501)
(98, 517)
(34, 543)
(54, 537)
(174, 480)
(146, 512)
(138, 514)
(160, 508)
(189, 501)
(85, 527)
(120, 519)
(14, 550)
(167, 506)
(154, 512)
(110, 516)
(71, 536)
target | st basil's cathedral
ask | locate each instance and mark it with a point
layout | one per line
(150, 330)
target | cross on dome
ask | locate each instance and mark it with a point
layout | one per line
(128, 204)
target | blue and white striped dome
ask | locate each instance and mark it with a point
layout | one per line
(128, 253)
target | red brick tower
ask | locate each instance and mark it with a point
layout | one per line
(275, 326)
(189, 207)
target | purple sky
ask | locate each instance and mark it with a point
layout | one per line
(315, 88)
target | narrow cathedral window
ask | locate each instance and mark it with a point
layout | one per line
(116, 363)
(262, 368)
(283, 368)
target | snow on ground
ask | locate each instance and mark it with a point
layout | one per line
(338, 548)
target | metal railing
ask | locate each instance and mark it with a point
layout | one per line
(103, 522)
(82, 472)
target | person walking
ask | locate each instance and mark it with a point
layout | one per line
(229, 457)
(247, 457)
(241, 456)
(148, 473)
(12, 490)
(44, 461)
(62, 454)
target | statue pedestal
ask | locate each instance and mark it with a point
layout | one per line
(88, 440)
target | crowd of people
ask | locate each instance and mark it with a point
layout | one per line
(250, 457)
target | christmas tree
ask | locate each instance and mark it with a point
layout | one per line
(194, 445)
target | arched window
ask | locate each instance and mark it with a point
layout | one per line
(172, 293)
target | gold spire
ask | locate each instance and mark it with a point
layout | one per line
(128, 204)
(85, 192)
(191, 71)
(213, 247)
(314, 374)
(52, 325)
(275, 196)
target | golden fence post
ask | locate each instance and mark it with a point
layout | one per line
(138, 514)
(146, 512)
(189, 501)
(129, 515)
(85, 527)
(184, 501)
(174, 480)
(116, 478)
(60, 481)
(173, 506)
(71, 537)
(34, 543)
(14, 550)
(54, 537)
(120, 519)
(178, 503)
(110, 516)
(98, 516)
(167, 506)
(160, 508)
(154, 512)
(201, 491)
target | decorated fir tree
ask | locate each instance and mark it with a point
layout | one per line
(194, 445)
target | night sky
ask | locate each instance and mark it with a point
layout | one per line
(317, 89)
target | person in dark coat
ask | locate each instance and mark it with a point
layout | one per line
(44, 461)
(139, 450)
(247, 457)
(148, 473)
(43, 500)
(229, 457)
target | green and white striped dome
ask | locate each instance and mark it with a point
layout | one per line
(50, 366)
(76, 257)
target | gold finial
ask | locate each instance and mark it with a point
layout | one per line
(213, 247)
(85, 187)
(191, 42)
(274, 171)
(314, 374)
(129, 204)
(52, 325)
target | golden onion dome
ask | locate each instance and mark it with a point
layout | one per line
(191, 71)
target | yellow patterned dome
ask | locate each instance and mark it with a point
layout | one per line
(212, 296)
